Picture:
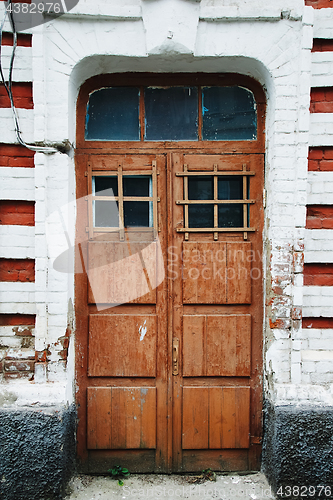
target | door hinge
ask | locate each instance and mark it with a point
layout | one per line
(175, 356)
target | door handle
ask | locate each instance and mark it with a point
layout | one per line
(175, 356)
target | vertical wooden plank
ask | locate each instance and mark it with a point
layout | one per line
(215, 417)
(194, 346)
(90, 202)
(245, 207)
(155, 216)
(186, 222)
(195, 418)
(216, 215)
(148, 417)
(204, 273)
(118, 424)
(121, 204)
(221, 345)
(228, 417)
(242, 438)
(99, 418)
(238, 273)
(243, 345)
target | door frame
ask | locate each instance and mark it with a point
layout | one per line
(86, 148)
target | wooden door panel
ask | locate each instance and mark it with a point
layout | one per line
(195, 418)
(216, 273)
(121, 417)
(217, 345)
(204, 273)
(216, 417)
(122, 345)
(238, 273)
(121, 272)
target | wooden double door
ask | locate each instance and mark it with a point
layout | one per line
(169, 311)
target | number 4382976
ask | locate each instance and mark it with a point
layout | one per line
(304, 491)
(34, 8)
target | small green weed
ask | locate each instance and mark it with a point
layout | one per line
(118, 472)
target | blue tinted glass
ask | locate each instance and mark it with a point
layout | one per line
(230, 188)
(230, 215)
(228, 113)
(201, 215)
(113, 115)
(171, 114)
(105, 185)
(137, 214)
(137, 185)
(200, 187)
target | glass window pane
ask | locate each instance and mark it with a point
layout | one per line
(105, 213)
(228, 113)
(201, 215)
(137, 185)
(113, 115)
(138, 214)
(230, 188)
(171, 114)
(230, 215)
(105, 185)
(200, 187)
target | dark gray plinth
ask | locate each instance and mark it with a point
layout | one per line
(298, 448)
(37, 452)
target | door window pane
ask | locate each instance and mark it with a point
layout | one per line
(105, 185)
(171, 114)
(228, 113)
(138, 214)
(106, 213)
(230, 215)
(201, 215)
(137, 185)
(113, 115)
(230, 188)
(200, 187)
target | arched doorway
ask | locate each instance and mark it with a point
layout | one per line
(169, 307)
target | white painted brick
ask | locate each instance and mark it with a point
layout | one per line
(296, 373)
(22, 71)
(318, 301)
(307, 37)
(17, 242)
(10, 331)
(321, 69)
(7, 129)
(17, 183)
(323, 23)
(321, 344)
(321, 129)
(320, 188)
(318, 245)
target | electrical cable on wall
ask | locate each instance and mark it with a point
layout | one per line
(8, 85)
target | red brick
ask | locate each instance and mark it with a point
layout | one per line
(328, 153)
(318, 94)
(21, 213)
(321, 107)
(22, 270)
(23, 39)
(326, 165)
(317, 323)
(17, 319)
(313, 165)
(22, 93)
(318, 274)
(19, 366)
(319, 4)
(319, 217)
(315, 153)
(279, 323)
(12, 155)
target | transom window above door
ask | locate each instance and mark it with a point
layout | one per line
(174, 113)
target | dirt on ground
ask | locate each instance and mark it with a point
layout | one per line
(158, 487)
